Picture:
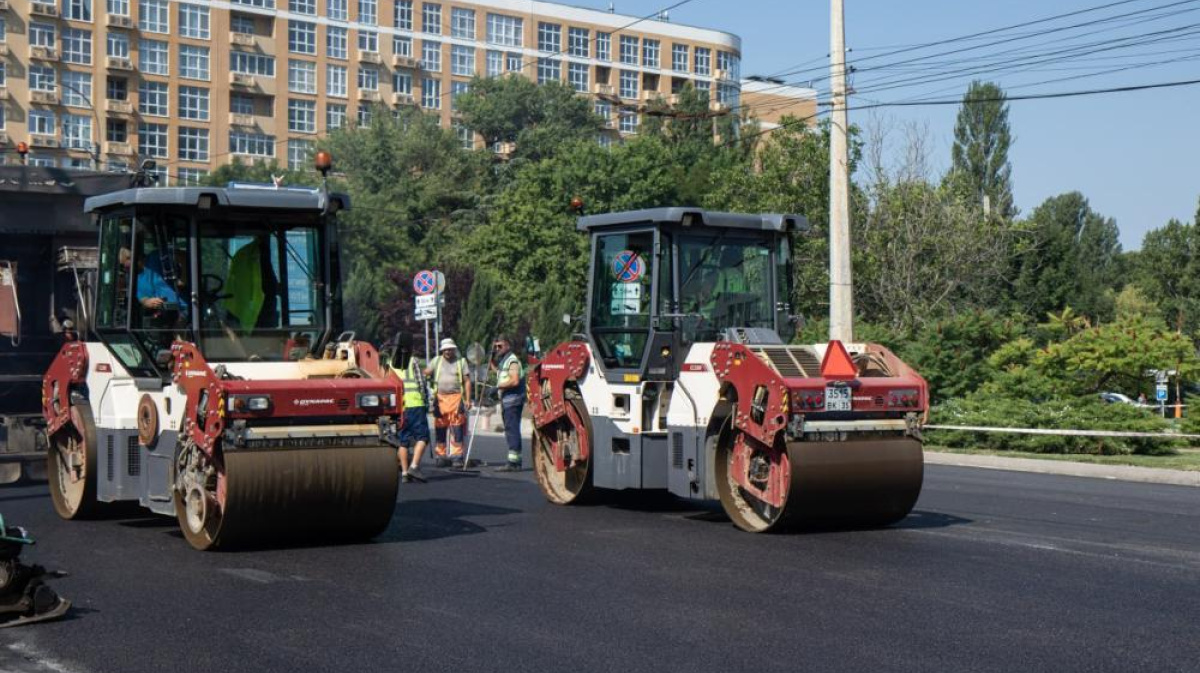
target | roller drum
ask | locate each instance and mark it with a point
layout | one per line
(854, 483)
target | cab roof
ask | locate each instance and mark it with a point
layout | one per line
(696, 217)
(265, 197)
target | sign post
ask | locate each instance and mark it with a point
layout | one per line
(425, 302)
(1160, 391)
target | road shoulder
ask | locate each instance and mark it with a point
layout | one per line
(1150, 475)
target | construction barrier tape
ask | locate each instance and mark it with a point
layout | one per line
(1062, 433)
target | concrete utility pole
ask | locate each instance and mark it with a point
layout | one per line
(841, 291)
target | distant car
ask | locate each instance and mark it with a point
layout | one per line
(1121, 398)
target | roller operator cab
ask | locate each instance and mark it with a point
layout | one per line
(682, 382)
(217, 385)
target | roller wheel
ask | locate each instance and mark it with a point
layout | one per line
(71, 466)
(195, 494)
(563, 443)
(767, 469)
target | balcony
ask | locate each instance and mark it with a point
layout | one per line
(369, 56)
(3, 5)
(403, 99)
(241, 79)
(718, 106)
(721, 74)
(369, 95)
(43, 53)
(43, 97)
(3, 93)
(3, 46)
(46, 9)
(118, 63)
(242, 119)
(118, 21)
(118, 148)
(118, 107)
(39, 140)
(242, 40)
(605, 90)
(406, 62)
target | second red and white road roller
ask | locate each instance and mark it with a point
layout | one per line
(680, 381)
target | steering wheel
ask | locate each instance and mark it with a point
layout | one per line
(211, 286)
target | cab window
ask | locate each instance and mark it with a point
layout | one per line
(621, 297)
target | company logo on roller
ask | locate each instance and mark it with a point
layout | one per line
(309, 403)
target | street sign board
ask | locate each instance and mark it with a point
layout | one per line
(1161, 392)
(425, 301)
(426, 313)
(441, 281)
(425, 282)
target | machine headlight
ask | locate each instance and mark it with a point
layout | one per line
(371, 399)
(250, 403)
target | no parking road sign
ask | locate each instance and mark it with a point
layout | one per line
(425, 282)
(627, 266)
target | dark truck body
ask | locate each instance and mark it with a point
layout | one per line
(48, 245)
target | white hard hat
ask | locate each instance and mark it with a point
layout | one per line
(448, 345)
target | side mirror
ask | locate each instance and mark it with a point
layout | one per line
(567, 319)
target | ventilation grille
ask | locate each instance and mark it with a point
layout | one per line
(134, 455)
(792, 361)
(109, 467)
(343, 404)
(677, 449)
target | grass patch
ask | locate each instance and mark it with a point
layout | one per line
(1184, 459)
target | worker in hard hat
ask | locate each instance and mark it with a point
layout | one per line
(510, 382)
(451, 380)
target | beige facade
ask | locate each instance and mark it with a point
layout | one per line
(194, 84)
(769, 101)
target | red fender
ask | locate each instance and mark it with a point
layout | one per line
(547, 381)
(192, 374)
(736, 365)
(366, 358)
(68, 369)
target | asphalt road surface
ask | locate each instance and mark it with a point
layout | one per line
(994, 571)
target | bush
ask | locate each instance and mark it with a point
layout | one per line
(1069, 413)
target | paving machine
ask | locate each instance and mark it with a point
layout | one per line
(218, 387)
(682, 382)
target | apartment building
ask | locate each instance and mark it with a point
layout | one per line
(194, 84)
(770, 100)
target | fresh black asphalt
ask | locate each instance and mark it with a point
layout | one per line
(994, 571)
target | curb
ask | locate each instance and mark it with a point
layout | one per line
(1133, 473)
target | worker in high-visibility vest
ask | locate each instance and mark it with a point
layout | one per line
(414, 433)
(510, 382)
(451, 381)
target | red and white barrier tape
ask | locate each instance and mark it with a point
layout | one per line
(1061, 433)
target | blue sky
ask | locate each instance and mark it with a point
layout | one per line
(1130, 154)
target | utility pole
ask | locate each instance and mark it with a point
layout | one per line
(841, 291)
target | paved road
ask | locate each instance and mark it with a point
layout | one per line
(995, 571)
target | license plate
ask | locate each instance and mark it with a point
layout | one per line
(837, 398)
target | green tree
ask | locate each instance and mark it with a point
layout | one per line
(953, 354)
(538, 118)
(1168, 267)
(982, 138)
(1117, 355)
(263, 172)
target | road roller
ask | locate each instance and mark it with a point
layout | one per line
(681, 382)
(216, 384)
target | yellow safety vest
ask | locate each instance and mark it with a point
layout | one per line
(414, 397)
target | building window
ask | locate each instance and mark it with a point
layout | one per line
(462, 23)
(308, 7)
(462, 60)
(731, 64)
(152, 140)
(193, 103)
(431, 18)
(191, 177)
(253, 144)
(116, 131)
(118, 7)
(629, 120)
(335, 80)
(43, 123)
(298, 153)
(77, 131)
(604, 46)
(364, 115)
(302, 116)
(193, 144)
(603, 109)
(262, 4)
(495, 63)
(154, 16)
(704, 87)
(153, 99)
(240, 23)
(336, 42)
(402, 82)
(42, 35)
(78, 10)
(335, 116)
(515, 62)
(240, 104)
(650, 49)
(2, 120)
(403, 15)
(629, 50)
(402, 46)
(193, 22)
(302, 37)
(77, 88)
(578, 42)
(368, 78)
(549, 70)
(505, 30)
(117, 88)
(679, 57)
(118, 45)
(629, 84)
(153, 57)
(368, 12)
(3, 77)
(368, 40)
(193, 61)
(77, 46)
(431, 93)
(337, 10)
(703, 64)
(431, 55)
(302, 76)
(577, 76)
(456, 90)
(549, 37)
(252, 64)
(466, 137)
(42, 78)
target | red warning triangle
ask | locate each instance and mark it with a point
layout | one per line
(837, 363)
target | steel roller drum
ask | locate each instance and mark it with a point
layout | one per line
(853, 483)
(303, 495)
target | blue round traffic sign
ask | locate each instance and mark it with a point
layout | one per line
(628, 266)
(424, 282)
